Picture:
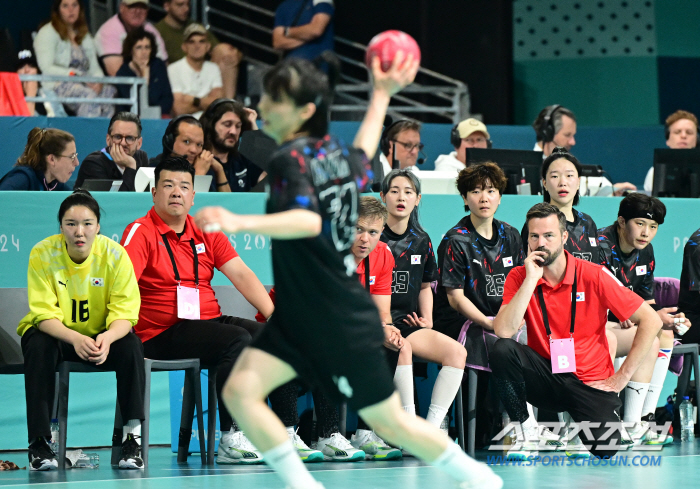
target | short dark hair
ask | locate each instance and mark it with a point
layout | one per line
(372, 208)
(124, 117)
(174, 163)
(638, 205)
(544, 210)
(222, 106)
(135, 36)
(475, 175)
(398, 127)
(557, 154)
(79, 197)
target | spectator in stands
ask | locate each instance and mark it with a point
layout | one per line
(196, 82)
(626, 251)
(184, 137)
(140, 60)
(26, 65)
(167, 281)
(304, 28)
(47, 163)
(224, 122)
(83, 302)
(555, 126)
(110, 36)
(172, 29)
(469, 133)
(400, 142)
(578, 376)
(64, 46)
(120, 158)
(681, 130)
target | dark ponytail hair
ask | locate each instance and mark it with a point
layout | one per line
(79, 197)
(414, 218)
(306, 82)
(42, 143)
(560, 153)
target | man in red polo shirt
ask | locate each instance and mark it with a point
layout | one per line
(174, 262)
(566, 364)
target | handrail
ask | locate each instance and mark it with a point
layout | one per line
(133, 99)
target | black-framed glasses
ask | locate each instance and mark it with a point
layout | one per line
(118, 138)
(72, 157)
(410, 146)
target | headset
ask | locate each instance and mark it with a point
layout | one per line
(212, 107)
(384, 145)
(545, 132)
(456, 139)
(169, 136)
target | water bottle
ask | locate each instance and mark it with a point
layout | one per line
(54, 435)
(687, 421)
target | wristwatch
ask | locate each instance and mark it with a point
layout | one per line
(197, 102)
(286, 32)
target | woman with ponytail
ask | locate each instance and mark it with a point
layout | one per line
(47, 163)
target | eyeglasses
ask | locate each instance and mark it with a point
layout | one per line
(72, 157)
(410, 146)
(118, 138)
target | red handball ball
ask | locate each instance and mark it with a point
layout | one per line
(386, 44)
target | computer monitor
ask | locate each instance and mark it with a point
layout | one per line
(520, 167)
(101, 185)
(676, 173)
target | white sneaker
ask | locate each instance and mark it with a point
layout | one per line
(527, 443)
(374, 447)
(634, 436)
(337, 448)
(575, 448)
(235, 448)
(483, 478)
(548, 440)
(306, 454)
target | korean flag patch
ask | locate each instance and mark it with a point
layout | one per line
(508, 261)
(593, 241)
(97, 282)
(641, 270)
(372, 279)
(415, 259)
(580, 296)
(200, 248)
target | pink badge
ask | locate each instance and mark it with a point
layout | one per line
(187, 303)
(563, 355)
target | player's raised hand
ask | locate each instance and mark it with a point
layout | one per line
(401, 73)
(214, 219)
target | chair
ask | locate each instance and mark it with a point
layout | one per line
(192, 390)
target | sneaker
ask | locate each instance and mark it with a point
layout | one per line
(306, 454)
(235, 448)
(484, 478)
(41, 457)
(130, 454)
(526, 445)
(576, 449)
(653, 437)
(548, 440)
(337, 448)
(634, 436)
(374, 447)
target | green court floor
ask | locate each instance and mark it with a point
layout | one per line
(677, 467)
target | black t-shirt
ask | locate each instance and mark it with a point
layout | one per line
(689, 297)
(635, 270)
(99, 165)
(414, 265)
(583, 237)
(241, 173)
(315, 280)
(467, 260)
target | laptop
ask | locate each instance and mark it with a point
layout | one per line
(102, 185)
(146, 178)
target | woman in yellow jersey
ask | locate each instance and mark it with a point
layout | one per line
(83, 302)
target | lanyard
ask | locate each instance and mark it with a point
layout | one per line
(172, 260)
(367, 273)
(544, 307)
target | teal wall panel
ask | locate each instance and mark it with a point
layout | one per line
(677, 30)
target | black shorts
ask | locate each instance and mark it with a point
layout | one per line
(344, 357)
(405, 329)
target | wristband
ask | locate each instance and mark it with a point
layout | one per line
(197, 102)
(222, 184)
(286, 32)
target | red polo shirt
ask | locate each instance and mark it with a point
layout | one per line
(597, 292)
(143, 241)
(381, 270)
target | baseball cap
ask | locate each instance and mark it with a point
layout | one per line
(470, 126)
(134, 2)
(193, 29)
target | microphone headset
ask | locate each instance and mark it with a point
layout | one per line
(169, 136)
(456, 139)
(384, 141)
(545, 131)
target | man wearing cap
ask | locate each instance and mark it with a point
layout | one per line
(196, 83)
(470, 133)
(132, 15)
(172, 29)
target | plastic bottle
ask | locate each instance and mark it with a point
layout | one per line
(687, 421)
(54, 435)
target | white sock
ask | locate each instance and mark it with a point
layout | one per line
(403, 380)
(446, 386)
(286, 463)
(635, 393)
(133, 426)
(458, 465)
(657, 381)
(531, 421)
(290, 430)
